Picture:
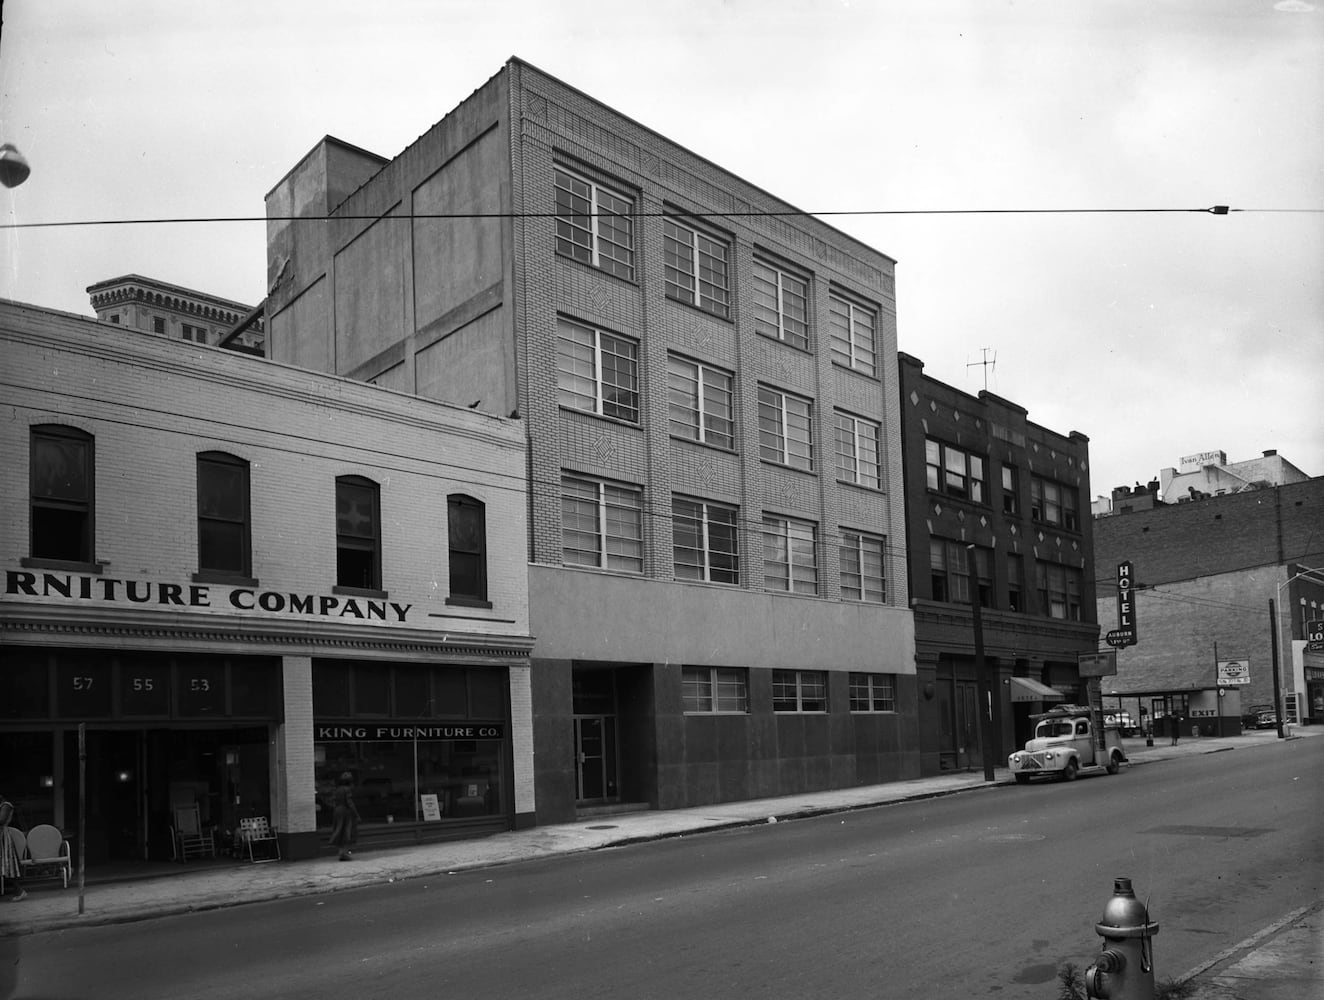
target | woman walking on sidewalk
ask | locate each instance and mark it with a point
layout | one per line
(345, 818)
(10, 868)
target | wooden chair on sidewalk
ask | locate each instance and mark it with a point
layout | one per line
(191, 841)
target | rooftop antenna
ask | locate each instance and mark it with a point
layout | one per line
(986, 364)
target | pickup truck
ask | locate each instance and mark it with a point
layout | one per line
(1066, 741)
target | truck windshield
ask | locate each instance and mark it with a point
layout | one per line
(1054, 729)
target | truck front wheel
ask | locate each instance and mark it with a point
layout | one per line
(1022, 779)
(1114, 764)
(1069, 772)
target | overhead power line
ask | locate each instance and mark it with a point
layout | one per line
(181, 220)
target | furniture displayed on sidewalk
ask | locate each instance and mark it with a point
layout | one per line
(48, 854)
(258, 836)
(191, 841)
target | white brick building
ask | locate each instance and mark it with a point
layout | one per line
(243, 579)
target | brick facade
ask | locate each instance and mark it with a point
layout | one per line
(1024, 634)
(1207, 571)
(467, 309)
(151, 405)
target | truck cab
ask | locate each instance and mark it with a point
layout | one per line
(1066, 741)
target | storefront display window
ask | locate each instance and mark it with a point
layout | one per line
(423, 742)
(393, 776)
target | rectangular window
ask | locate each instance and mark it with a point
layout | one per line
(602, 524)
(872, 693)
(952, 471)
(1016, 583)
(1053, 503)
(700, 403)
(194, 333)
(715, 689)
(695, 268)
(358, 534)
(1011, 503)
(984, 578)
(781, 304)
(594, 224)
(790, 560)
(1059, 590)
(597, 371)
(857, 450)
(158, 324)
(862, 567)
(948, 573)
(466, 528)
(851, 328)
(61, 499)
(1070, 515)
(786, 430)
(704, 541)
(799, 691)
(223, 515)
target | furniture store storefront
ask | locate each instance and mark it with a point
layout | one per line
(117, 718)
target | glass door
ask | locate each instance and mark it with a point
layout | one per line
(595, 755)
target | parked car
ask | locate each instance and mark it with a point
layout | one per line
(1259, 717)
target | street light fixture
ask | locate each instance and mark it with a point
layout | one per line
(14, 167)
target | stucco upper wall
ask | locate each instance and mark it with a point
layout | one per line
(587, 615)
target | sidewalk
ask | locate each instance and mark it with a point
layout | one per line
(1292, 947)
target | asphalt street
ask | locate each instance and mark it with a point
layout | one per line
(987, 892)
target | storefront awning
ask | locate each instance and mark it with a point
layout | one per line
(1024, 689)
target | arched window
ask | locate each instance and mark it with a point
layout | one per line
(62, 492)
(358, 534)
(224, 536)
(466, 520)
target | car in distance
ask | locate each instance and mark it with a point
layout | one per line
(1259, 717)
(1122, 720)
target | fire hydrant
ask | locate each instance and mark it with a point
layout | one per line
(1124, 969)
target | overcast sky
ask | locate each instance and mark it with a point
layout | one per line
(1156, 334)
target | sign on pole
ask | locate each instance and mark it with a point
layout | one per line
(1315, 635)
(1233, 672)
(1097, 664)
(1126, 607)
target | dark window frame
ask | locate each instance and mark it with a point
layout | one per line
(350, 546)
(50, 515)
(217, 460)
(470, 547)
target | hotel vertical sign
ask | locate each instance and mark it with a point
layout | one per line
(1126, 604)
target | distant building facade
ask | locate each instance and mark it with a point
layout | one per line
(979, 474)
(1209, 473)
(240, 579)
(716, 566)
(1206, 570)
(179, 313)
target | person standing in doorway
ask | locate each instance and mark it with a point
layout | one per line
(344, 817)
(10, 867)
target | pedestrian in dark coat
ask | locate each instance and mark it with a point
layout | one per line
(345, 816)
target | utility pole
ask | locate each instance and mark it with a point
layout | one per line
(988, 740)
